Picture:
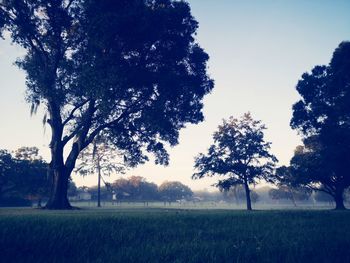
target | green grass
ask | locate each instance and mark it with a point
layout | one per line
(172, 235)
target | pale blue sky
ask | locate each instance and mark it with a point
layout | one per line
(258, 50)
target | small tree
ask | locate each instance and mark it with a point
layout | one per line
(240, 153)
(102, 158)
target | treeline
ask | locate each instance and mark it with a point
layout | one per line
(137, 188)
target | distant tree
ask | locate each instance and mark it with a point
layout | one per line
(6, 172)
(322, 116)
(100, 157)
(72, 188)
(103, 193)
(27, 153)
(134, 188)
(240, 153)
(288, 187)
(131, 69)
(172, 191)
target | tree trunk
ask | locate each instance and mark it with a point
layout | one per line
(247, 194)
(58, 197)
(339, 200)
(99, 187)
(293, 198)
(58, 172)
(39, 202)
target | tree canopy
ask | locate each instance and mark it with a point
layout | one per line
(239, 152)
(322, 116)
(130, 69)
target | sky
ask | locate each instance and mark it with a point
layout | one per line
(258, 51)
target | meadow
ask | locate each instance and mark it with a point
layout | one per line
(173, 235)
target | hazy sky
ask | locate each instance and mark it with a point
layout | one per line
(258, 51)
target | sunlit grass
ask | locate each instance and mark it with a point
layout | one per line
(173, 235)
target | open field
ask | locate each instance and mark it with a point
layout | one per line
(173, 235)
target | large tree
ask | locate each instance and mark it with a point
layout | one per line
(322, 116)
(240, 153)
(130, 69)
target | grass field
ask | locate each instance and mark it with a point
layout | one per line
(173, 235)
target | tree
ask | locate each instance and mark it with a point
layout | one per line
(100, 157)
(172, 191)
(25, 176)
(135, 188)
(27, 153)
(130, 69)
(322, 116)
(6, 166)
(240, 153)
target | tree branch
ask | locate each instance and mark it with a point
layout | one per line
(71, 115)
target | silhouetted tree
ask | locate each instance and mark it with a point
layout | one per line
(25, 176)
(172, 191)
(240, 153)
(128, 68)
(322, 116)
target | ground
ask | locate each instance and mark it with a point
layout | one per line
(136, 234)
